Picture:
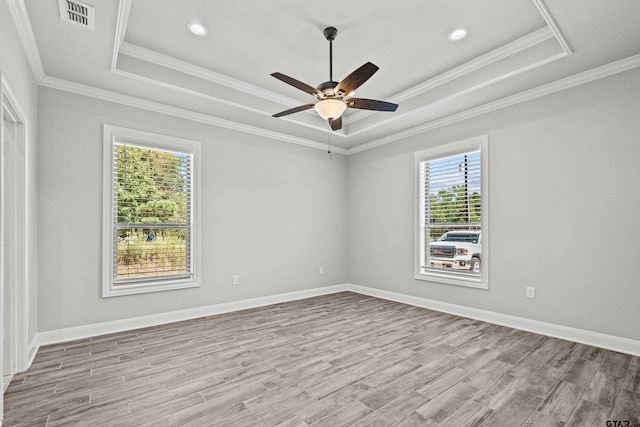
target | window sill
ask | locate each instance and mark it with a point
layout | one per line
(450, 279)
(148, 287)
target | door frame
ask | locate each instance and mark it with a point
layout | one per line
(10, 110)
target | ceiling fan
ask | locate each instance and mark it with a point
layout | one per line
(331, 103)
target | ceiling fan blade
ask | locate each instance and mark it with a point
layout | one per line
(371, 104)
(293, 110)
(354, 80)
(336, 124)
(296, 83)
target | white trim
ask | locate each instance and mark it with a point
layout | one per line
(5, 383)
(601, 72)
(319, 126)
(431, 105)
(124, 9)
(190, 92)
(609, 342)
(481, 144)
(132, 101)
(494, 56)
(20, 289)
(546, 15)
(222, 101)
(86, 331)
(32, 351)
(509, 49)
(498, 54)
(172, 63)
(596, 339)
(111, 136)
(22, 22)
(2, 246)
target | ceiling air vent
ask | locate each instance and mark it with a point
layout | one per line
(77, 12)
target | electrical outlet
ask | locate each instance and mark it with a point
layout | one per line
(321, 270)
(235, 280)
(531, 292)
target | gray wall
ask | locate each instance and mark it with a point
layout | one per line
(17, 72)
(564, 204)
(272, 213)
(564, 200)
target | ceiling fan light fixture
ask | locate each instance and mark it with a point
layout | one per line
(197, 29)
(458, 34)
(330, 94)
(330, 108)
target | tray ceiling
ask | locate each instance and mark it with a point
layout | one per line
(140, 52)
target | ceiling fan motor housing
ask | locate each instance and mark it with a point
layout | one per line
(330, 94)
(327, 88)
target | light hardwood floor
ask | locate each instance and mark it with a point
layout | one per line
(341, 359)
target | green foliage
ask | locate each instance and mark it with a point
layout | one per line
(139, 257)
(150, 186)
(452, 206)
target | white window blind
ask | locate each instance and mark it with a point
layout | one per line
(452, 194)
(451, 223)
(152, 214)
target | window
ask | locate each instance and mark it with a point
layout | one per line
(451, 221)
(150, 211)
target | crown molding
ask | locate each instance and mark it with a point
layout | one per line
(607, 70)
(131, 101)
(546, 15)
(505, 51)
(175, 64)
(124, 10)
(189, 92)
(545, 33)
(601, 72)
(539, 36)
(467, 91)
(166, 61)
(528, 41)
(22, 22)
(148, 55)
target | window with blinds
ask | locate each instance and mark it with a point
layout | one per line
(152, 207)
(151, 201)
(451, 233)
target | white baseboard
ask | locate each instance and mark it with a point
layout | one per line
(610, 342)
(86, 331)
(33, 350)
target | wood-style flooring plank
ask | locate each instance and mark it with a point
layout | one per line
(589, 414)
(333, 360)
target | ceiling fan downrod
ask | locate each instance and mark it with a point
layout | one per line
(330, 34)
(331, 104)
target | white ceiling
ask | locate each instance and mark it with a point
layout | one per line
(141, 53)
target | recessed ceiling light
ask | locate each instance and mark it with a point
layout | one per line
(197, 29)
(458, 34)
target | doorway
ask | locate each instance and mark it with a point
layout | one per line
(13, 236)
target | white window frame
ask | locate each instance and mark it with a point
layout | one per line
(451, 149)
(111, 136)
